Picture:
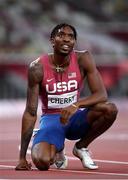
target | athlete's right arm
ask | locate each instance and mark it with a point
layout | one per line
(30, 113)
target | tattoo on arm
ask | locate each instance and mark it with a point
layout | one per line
(32, 100)
(29, 117)
(34, 79)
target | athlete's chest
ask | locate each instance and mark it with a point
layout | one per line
(62, 82)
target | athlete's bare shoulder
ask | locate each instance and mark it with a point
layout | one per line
(84, 58)
(35, 71)
(81, 53)
(85, 61)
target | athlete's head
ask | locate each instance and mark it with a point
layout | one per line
(63, 38)
(62, 25)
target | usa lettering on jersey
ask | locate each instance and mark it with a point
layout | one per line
(62, 86)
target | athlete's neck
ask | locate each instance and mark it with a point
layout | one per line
(60, 60)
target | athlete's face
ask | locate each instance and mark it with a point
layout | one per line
(64, 41)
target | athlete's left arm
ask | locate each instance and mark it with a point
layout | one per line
(96, 85)
(95, 82)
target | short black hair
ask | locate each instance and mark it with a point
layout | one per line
(59, 26)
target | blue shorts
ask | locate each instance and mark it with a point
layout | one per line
(51, 130)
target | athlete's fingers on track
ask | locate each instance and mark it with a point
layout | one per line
(23, 167)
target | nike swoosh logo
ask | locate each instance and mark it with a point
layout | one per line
(49, 80)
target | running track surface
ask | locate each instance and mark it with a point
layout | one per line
(110, 150)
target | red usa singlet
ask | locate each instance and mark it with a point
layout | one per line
(60, 90)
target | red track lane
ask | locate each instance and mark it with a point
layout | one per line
(110, 152)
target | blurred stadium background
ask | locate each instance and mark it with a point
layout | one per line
(25, 27)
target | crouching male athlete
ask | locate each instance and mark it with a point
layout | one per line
(58, 79)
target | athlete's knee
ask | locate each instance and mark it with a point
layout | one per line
(111, 111)
(41, 162)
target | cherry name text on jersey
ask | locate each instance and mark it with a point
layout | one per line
(63, 100)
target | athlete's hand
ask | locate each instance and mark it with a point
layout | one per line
(23, 165)
(67, 112)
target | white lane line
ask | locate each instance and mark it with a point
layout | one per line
(97, 160)
(6, 166)
(74, 171)
(104, 161)
(112, 162)
(74, 159)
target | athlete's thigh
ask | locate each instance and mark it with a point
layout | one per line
(99, 110)
(78, 125)
(51, 131)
